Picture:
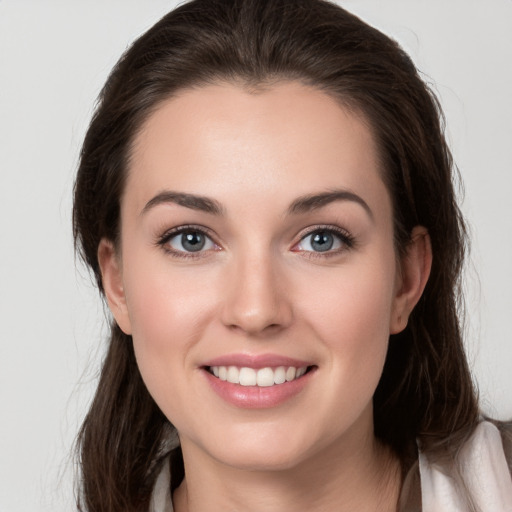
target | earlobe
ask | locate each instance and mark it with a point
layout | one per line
(415, 271)
(112, 280)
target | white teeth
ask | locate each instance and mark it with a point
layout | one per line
(280, 375)
(233, 375)
(264, 377)
(247, 377)
(290, 373)
(300, 372)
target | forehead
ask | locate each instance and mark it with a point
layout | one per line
(286, 140)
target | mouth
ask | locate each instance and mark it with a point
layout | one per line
(260, 381)
(260, 377)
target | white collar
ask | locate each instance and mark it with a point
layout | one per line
(484, 471)
(161, 497)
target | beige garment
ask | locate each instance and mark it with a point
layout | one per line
(161, 498)
(485, 473)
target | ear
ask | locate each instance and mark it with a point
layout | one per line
(412, 278)
(112, 279)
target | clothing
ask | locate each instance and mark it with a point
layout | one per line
(161, 498)
(484, 470)
(485, 476)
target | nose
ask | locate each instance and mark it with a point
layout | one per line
(256, 301)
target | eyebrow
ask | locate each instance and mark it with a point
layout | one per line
(311, 202)
(195, 202)
(302, 204)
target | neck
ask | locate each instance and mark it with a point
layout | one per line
(364, 477)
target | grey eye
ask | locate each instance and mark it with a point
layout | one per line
(191, 241)
(321, 241)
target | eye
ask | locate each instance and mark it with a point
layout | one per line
(324, 241)
(187, 240)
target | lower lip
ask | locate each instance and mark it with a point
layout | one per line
(255, 397)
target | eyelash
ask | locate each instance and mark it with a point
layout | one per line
(344, 237)
(346, 240)
(164, 240)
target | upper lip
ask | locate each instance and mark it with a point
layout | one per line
(256, 361)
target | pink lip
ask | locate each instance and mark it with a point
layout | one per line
(256, 361)
(255, 397)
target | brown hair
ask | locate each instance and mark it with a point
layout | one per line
(426, 391)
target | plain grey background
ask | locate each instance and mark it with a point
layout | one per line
(54, 57)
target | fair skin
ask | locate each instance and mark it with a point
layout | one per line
(268, 277)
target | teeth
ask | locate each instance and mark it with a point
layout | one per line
(264, 377)
(280, 375)
(290, 373)
(247, 377)
(300, 372)
(233, 375)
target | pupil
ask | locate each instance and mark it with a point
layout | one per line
(192, 241)
(322, 241)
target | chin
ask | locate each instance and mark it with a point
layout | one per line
(260, 452)
(259, 460)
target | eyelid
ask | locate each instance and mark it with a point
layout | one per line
(346, 238)
(163, 240)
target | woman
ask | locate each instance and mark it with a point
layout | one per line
(265, 197)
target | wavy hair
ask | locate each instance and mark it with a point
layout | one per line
(426, 391)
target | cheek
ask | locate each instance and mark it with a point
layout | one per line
(168, 313)
(162, 302)
(350, 312)
(356, 299)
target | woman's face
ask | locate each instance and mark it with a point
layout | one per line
(256, 245)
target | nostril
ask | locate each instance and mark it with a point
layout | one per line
(255, 327)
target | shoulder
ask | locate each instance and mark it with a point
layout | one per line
(505, 430)
(479, 478)
(161, 496)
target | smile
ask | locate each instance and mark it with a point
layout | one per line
(262, 377)
(258, 381)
